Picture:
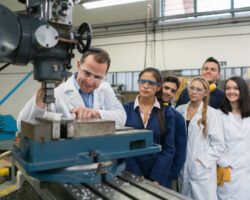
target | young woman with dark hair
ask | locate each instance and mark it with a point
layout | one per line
(235, 160)
(146, 112)
(204, 145)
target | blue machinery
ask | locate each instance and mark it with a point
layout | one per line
(84, 166)
(8, 126)
(81, 158)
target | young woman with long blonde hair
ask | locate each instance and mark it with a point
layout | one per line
(205, 143)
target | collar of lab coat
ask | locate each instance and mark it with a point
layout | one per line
(199, 111)
(197, 114)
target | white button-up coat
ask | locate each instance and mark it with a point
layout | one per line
(236, 155)
(198, 178)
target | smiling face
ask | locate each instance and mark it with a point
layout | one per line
(232, 91)
(148, 85)
(169, 90)
(196, 91)
(210, 71)
(90, 74)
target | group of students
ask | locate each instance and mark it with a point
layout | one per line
(214, 163)
(204, 140)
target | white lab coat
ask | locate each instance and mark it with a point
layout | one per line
(67, 98)
(236, 155)
(199, 180)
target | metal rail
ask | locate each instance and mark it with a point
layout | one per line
(123, 187)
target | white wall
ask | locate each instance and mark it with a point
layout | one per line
(180, 49)
(9, 78)
(174, 50)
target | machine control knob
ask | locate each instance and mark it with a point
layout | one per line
(84, 37)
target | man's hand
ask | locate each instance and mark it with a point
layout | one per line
(85, 113)
(39, 98)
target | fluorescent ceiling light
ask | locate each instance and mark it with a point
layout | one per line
(105, 3)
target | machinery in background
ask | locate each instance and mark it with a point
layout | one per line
(8, 127)
(44, 36)
(118, 89)
(8, 131)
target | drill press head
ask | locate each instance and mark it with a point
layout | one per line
(42, 35)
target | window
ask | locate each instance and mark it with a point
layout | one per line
(232, 72)
(129, 79)
(202, 8)
(135, 79)
(111, 78)
(241, 3)
(212, 5)
(176, 7)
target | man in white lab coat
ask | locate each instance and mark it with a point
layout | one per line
(83, 95)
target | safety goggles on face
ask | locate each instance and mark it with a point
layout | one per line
(173, 91)
(196, 89)
(87, 74)
(149, 82)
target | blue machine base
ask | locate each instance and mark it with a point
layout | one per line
(81, 176)
(47, 161)
(7, 136)
(7, 127)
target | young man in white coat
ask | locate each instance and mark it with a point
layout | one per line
(83, 95)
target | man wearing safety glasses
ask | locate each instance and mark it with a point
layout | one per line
(84, 95)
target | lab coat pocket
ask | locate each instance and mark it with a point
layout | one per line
(198, 171)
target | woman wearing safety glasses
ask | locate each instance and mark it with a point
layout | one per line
(204, 145)
(147, 113)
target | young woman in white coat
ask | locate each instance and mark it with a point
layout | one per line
(205, 143)
(236, 125)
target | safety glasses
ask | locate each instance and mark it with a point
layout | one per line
(87, 74)
(149, 82)
(196, 89)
